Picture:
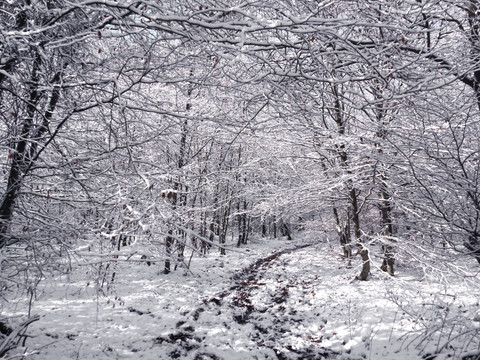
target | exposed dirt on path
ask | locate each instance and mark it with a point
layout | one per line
(257, 304)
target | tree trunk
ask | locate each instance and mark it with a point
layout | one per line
(473, 246)
(177, 187)
(274, 223)
(243, 224)
(363, 251)
(352, 192)
(223, 230)
(285, 230)
(472, 11)
(22, 155)
(168, 250)
(343, 232)
(386, 211)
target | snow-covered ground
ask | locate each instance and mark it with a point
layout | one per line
(276, 299)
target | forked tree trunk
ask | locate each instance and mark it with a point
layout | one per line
(473, 246)
(26, 149)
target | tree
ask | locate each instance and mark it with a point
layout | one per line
(107, 107)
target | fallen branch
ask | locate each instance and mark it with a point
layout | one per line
(12, 340)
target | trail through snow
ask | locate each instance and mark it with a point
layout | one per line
(283, 300)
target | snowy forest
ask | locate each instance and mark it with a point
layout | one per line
(240, 179)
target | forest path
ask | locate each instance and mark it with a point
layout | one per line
(273, 300)
(258, 311)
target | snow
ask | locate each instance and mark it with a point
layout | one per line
(278, 299)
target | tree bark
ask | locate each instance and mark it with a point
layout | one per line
(20, 157)
(343, 232)
(386, 211)
(168, 251)
(352, 192)
(362, 249)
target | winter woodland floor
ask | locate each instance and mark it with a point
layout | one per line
(277, 300)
